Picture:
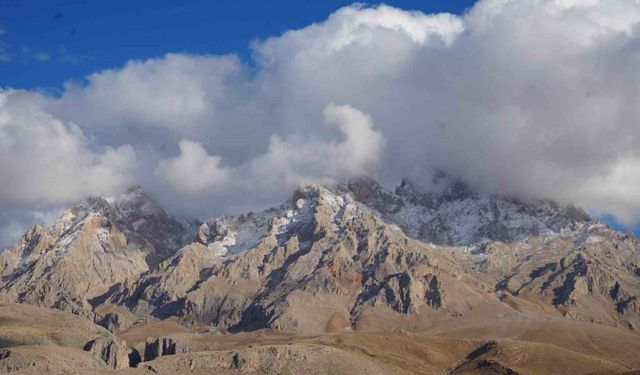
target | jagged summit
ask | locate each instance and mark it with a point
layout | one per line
(454, 214)
(268, 269)
(142, 220)
(442, 188)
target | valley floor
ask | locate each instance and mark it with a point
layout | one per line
(514, 344)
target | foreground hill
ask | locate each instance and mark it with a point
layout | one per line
(52, 341)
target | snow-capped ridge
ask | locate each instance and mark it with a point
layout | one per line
(230, 235)
(450, 212)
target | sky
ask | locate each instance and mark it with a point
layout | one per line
(227, 106)
(51, 42)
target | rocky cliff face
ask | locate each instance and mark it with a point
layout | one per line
(587, 275)
(344, 256)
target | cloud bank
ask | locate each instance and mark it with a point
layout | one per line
(534, 98)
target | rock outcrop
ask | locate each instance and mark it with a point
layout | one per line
(112, 351)
(158, 347)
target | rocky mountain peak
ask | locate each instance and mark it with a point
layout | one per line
(230, 235)
(135, 201)
(143, 218)
(448, 211)
(136, 214)
(92, 246)
(316, 193)
(370, 192)
(442, 188)
(342, 240)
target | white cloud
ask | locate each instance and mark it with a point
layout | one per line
(537, 98)
(194, 170)
(615, 191)
(288, 161)
(172, 92)
(291, 161)
(43, 160)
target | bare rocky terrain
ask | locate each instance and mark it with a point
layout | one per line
(339, 279)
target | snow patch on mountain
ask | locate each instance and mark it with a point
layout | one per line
(456, 215)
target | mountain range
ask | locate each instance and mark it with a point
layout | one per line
(455, 280)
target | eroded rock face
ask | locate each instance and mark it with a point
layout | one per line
(586, 275)
(114, 321)
(158, 347)
(112, 351)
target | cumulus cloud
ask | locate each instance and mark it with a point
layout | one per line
(531, 98)
(535, 98)
(292, 161)
(288, 162)
(194, 170)
(43, 160)
(170, 92)
(46, 164)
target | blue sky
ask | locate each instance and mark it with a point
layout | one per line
(46, 42)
